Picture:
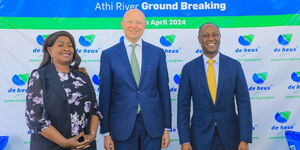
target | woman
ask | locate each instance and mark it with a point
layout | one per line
(61, 107)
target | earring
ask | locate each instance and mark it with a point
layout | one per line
(51, 59)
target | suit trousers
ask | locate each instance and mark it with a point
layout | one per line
(139, 139)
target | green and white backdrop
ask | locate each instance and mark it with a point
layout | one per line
(264, 35)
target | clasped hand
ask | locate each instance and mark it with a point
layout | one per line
(75, 144)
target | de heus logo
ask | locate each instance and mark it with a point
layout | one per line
(96, 79)
(20, 79)
(296, 76)
(167, 40)
(177, 78)
(87, 40)
(260, 78)
(282, 117)
(246, 40)
(285, 39)
(40, 39)
(121, 39)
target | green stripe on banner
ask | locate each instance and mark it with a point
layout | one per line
(153, 22)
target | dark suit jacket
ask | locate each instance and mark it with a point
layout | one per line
(119, 94)
(232, 85)
(57, 107)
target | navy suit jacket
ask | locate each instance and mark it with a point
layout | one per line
(232, 88)
(120, 95)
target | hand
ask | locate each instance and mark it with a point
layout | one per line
(165, 141)
(73, 142)
(243, 146)
(108, 143)
(186, 146)
(87, 137)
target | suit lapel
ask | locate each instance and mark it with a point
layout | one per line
(145, 58)
(223, 71)
(124, 57)
(202, 75)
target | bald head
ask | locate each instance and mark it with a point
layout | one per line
(134, 12)
(133, 23)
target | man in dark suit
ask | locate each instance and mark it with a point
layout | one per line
(134, 91)
(217, 85)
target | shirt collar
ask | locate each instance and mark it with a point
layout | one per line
(216, 58)
(127, 43)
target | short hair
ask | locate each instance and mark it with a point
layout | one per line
(200, 28)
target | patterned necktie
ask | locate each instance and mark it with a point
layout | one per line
(211, 80)
(135, 69)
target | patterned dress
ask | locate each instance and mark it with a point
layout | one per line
(79, 102)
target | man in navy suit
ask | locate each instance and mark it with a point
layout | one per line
(217, 86)
(134, 91)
